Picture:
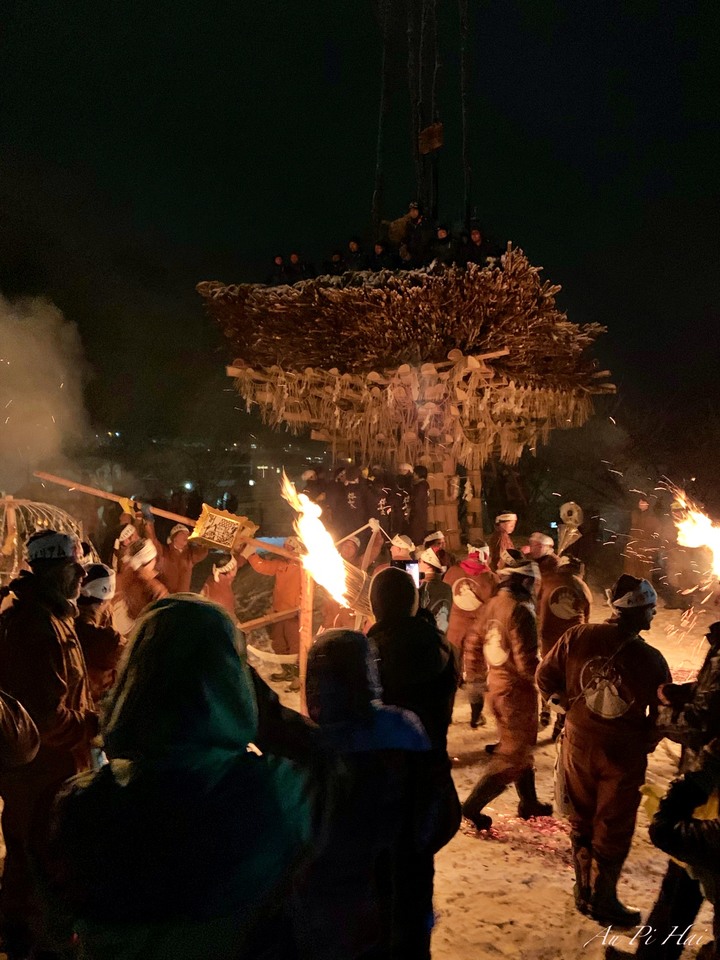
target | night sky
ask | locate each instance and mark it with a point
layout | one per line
(147, 146)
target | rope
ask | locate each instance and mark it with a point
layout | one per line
(270, 657)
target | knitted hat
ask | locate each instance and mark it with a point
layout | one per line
(51, 545)
(393, 594)
(99, 582)
(631, 592)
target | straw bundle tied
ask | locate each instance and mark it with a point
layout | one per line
(443, 361)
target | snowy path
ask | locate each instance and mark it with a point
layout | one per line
(512, 896)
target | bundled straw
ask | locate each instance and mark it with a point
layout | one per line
(440, 362)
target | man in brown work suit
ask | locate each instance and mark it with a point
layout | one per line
(505, 629)
(606, 678)
(564, 601)
(285, 634)
(501, 539)
(177, 557)
(42, 665)
(472, 583)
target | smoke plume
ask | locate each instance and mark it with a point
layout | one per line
(41, 376)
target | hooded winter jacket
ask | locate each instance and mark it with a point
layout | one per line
(695, 842)
(417, 672)
(181, 846)
(344, 903)
(694, 710)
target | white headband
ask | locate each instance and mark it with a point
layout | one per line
(102, 588)
(521, 568)
(431, 558)
(403, 543)
(229, 567)
(144, 555)
(505, 517)
(642, 596)
(483, 551)
(126, 532)
(543, 539)
(178, 528)
(436, 535)
(53, 546)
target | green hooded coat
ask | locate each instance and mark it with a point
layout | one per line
(181, 847)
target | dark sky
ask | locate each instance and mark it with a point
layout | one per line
(146, 146)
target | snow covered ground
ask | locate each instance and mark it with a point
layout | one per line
(510, 895)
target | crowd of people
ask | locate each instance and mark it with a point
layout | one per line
(407, 243)
(160, 802)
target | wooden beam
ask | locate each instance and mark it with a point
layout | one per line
(275, 617)
(307, 586)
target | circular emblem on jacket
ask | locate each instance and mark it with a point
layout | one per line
(495, 654)
(464, 596)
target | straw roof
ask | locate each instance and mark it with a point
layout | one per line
(434, 363)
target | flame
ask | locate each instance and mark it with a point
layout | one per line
(322, 560)
(695, 528)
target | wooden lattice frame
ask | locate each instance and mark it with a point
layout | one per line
(443, 362)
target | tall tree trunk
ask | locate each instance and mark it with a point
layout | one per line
(464, 104)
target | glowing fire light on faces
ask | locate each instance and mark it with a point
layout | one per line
(695, 528)
(322, 561)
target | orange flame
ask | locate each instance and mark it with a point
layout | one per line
(695, 528)
(322, 560)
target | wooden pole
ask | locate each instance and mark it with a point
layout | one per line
(269, 618)
(157, 512)
(104, 495)
(307, 585)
